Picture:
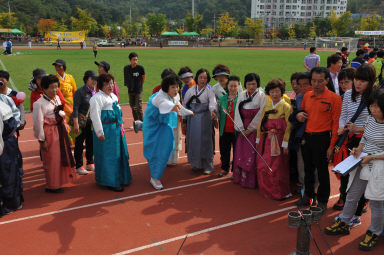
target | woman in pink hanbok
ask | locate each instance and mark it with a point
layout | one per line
(249, 106)
(272, 143)
(50, 129)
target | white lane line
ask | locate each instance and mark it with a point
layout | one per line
(32, 157)
(230, 224)
(112, 200)
(37, 180)
(204, 231)
(35, 140)
(137, 164)
(10, 79)
(27, 141)
(131, 165)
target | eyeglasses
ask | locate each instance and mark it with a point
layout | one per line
(345, 82)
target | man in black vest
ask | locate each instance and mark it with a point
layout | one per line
(334, 64)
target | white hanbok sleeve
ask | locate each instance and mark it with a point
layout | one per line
(256, 120)
(212, 101)
(38, 121)
(15, 111)
(96, 105)
(162, 102)
(239, 123)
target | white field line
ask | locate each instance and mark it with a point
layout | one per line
(10, 79)
(203, 231)
(112, 201)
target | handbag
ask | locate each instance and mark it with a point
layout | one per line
(342, 137)
(82, 119)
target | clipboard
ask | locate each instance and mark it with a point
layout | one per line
(348, 164)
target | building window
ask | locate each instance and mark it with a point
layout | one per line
(309, 14)
(302, 14)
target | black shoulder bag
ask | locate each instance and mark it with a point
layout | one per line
(342, 137)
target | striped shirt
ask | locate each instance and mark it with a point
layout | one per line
(373, 138)
(349, 109)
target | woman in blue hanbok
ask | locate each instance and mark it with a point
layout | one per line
(160, 119)
(110, 147)
(11, 197)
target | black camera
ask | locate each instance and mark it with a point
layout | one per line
(1, 83)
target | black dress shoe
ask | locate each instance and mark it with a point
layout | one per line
(59, 190)
(303, 202)
(116, 189)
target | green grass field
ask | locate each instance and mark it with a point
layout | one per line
(267, 63)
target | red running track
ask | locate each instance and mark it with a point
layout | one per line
(218, 216)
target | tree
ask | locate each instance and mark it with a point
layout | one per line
(179, 31)
(61, 26)
(301, 30)
(84, 22)
(291, 32)
(255, 28)
(45, 25)
(283, 32)
(370, 23)
(312, 31)
(8, 20)
(207, 32)
(340, 24)
(105, 30)
(144, 28)
(193, 23)
(156, 23)
(114, 31)
(226, 24)
(323, 26)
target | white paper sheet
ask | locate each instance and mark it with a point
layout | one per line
(345, 166)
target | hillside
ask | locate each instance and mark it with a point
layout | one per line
(366, 6)
(116, 11)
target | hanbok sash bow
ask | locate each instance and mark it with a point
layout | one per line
(65, 150)
(275, 147)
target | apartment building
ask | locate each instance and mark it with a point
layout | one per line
(279, 12)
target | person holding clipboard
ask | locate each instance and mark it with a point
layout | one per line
(354, 115)
(361, 177)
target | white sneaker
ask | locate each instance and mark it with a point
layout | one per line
(90, 167)
(81, 170)
(156, 183)
(208, 171)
